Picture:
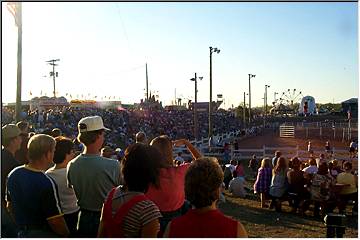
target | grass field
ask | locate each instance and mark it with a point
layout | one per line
(266, 223)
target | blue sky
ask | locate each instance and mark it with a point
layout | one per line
(103, 48)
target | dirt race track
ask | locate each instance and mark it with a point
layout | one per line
(270, 138)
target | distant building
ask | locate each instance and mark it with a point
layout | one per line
(352, 105)
(204, 106)
(307, 106)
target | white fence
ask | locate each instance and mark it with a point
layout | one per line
(287, 131)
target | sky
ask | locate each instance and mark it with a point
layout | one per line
(103, 49)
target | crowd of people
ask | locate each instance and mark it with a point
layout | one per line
(126, 123)
(326, 184)
(60, 191)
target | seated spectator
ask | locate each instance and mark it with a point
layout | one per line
(278, 184)
(334, 169)
(170, 195)
(321, 184)
(127, 212)
(349, 191)
(56, 132)
(237, 186)
(32, 196)
(263, 181)
(202, 186)
(140, 137)
(107, 152)
(312, 168)
(64, 152)
(229, 169)
(321, 159)
(296, 182)
(179, 158)
(239, 169)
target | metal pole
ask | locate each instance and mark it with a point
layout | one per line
(244, 109)
(54, 78)
(249, 99)
(19, 62)
(195, 112)
(147, 84)
(210, 102)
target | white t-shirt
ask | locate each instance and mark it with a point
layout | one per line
(67, 195)
(311, 169)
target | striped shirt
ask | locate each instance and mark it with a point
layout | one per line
(139, 215)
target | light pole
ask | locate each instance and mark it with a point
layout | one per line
(53, 74)
(275, 93)
(212, 50)
(250, 76)
(196, 131)
(244, 109)
(266, 87)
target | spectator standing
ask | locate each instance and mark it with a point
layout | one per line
(278, 185)
(127, 212)
(140, 137)
(349, 191)
(64, 152)
(170, 195)
(202, 186)
(91, 191)
(21, 154)
(253, 165)
(32, 196)
(275, 158)
(11, 142)
(296, 184)
(263, 181)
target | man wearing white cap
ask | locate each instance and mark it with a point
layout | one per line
(92, 176)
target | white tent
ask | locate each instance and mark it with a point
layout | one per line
(311, 106)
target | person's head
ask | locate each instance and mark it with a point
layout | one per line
(281, 165)
(323, 168)
(140, 167)
(107, 152)
(254, 156)
(334, 162)
(277, 154)
(91, 131)
(10, 137)
(233, 162)
(41, 147)
(56, 132)
(322, 156)
(64, 150)
(312, 162)
(347, 166)
(140, 137)
(164, 145)
(266, 163)
(295, 163)
(23, 126)
(203, 180)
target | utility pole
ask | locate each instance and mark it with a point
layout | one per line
(244, 115)
(212, 50)
(196, 128)
(53, 74)
(147, 84)
(250, 76)
(15, 8)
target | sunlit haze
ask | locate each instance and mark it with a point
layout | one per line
(103, 48)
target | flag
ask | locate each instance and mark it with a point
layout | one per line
(15, 10)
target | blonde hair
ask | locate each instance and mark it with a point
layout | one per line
(39, 145)
(265, 163)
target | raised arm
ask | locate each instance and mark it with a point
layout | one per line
(194, 152)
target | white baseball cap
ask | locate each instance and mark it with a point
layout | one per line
(91, 123)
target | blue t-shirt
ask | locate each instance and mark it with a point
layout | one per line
(33, 196)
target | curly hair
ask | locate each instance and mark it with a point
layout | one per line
(140, 167)
(202, 180)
